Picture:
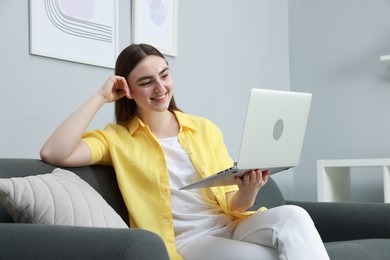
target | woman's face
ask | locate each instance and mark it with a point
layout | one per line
(151, 85)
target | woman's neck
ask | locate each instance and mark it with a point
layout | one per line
(161, 124)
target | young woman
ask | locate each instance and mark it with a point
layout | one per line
(156, 149)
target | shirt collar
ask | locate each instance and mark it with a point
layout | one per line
(134, 124)
(183, 119)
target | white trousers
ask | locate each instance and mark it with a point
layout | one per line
(285, 232)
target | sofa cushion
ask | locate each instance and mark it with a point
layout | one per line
(360, 249)
(60, 198)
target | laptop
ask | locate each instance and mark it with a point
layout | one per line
(272, 136)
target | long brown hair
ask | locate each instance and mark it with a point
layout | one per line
(126, 109)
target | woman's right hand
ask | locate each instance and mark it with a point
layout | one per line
(114, 88)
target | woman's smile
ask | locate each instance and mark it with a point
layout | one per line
(160, 98)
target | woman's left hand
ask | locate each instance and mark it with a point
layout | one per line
(252, 181)
(249, 185)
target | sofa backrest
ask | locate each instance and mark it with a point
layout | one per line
(269, 196)
(101, 178)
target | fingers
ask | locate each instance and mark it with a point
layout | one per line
(256, 177)
(250, 177)
(121, 86)
(266, 175)
(114, 88)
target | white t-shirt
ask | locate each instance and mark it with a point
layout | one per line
(195, 212)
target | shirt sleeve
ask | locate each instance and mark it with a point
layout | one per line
(98, 145)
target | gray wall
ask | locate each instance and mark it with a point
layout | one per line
(226, 47)
(334, 53)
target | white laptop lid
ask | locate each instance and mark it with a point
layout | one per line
(274, 129)
(272, 136)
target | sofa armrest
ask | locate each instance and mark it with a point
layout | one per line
(348, 221)
(35, 241)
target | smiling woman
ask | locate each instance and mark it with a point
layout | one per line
(155, 149)
(127, 62)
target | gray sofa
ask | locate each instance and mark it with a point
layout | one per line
(37, 241)
(350, 231)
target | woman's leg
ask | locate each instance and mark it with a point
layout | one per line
(289, 229)
(219, 248)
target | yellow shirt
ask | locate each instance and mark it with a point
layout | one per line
(142, 173)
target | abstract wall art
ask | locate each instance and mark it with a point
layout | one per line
(155, 23)
(83, 31)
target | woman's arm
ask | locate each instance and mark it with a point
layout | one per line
(64, 147)
(249, 186)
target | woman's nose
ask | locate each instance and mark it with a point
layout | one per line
(159, 86)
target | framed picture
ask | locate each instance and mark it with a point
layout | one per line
(73, 30)
(155, 23)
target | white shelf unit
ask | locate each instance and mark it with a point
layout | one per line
(334, 182)
(384, 58)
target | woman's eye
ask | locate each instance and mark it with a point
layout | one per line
(144, 84)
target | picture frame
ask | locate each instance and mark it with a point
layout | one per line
(155, 23)
(83, 32)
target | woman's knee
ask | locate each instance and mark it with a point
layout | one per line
(296, 211)
(291, 215)
(297, 215)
